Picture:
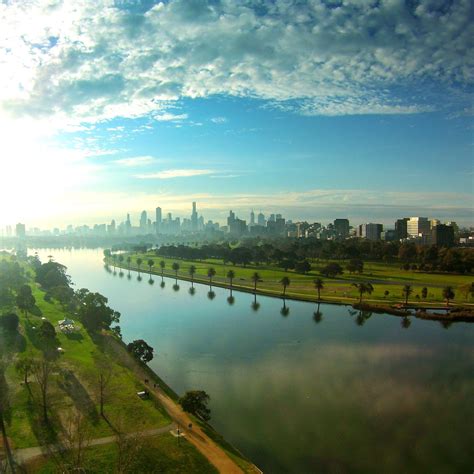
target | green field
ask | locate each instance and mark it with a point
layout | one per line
(383, 276)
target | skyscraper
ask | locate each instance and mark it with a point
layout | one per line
(194, 218)
(261, 219)
(341, 228)
(143, 221)
(252, 218)
(158, 219)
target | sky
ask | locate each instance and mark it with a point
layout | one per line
(314, 109)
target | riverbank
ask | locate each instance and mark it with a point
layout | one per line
(333, 292)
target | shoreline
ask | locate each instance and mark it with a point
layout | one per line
(375, 304)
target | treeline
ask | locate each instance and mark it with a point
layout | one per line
(295, 254)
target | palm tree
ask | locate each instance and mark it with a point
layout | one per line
(175, 267)
(285, 281)
(406, 292)
(121, 259)
(114, 259)
(231, 276)
(129, 261)
(448, 294)
(255, 279)
(192, 271)
(139, 263)
(363, 288)
(151, 262)
(210, 273)
(319, 285)
(162, 266)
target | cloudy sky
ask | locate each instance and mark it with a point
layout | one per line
(316, 109)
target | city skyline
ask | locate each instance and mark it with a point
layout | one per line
(318, 109)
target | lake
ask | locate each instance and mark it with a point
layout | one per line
(299, 392)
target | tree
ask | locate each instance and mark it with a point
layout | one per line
(10, 322)
(386, 293)
(175, 267)
(331, 270)
(24, 366)
(303, 267)
(162, 266)
(424, 292)
(52, 274)
(406, 292)
(319, 285)
(285, 281)
(42, 370)
(363, 288)
(94, 312)
(47, 331)
(25, 299)
(255, 279)
(104, 379)
(121, 258)
(195, 402)
(139, 263)
(77, 436)
(141, 350)
(151, 262)
(448, 294)
(4, 409)
(355, 265)
(231, 276)
(192, 271)
(129, 262)
(211, 273)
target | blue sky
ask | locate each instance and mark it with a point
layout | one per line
(315, 109)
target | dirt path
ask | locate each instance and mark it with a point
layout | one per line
(27, 454)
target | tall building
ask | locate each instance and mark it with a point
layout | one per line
(370, 231)
(158, 219)
(442, 235)
(128, 225)
(252, 218)
(261, 219)
(417, 226)
(143, 221)
(20, 231)
(194, 219)
(341, 228)
(401, 229)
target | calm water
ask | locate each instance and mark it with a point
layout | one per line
(302, 394)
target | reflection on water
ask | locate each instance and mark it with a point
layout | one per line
(349, 391)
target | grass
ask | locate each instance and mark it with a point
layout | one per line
(383, 276)
(157, 454)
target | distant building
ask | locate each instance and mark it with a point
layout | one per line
(442, 235)
(194, 218)
(158, 219)
(252, 218)
(401, 228)
(370, 231)
(20, 231)
(261, 219)
(143, 221)
(417, 226)
(341, 228)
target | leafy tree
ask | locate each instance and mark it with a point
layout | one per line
(94, 312)
(424, 292)
(195, 402)
(139, 263)
(63, 294)
(319, 285)
(231, 276)
(129, 262)
(121, 258)
(141, 350)
(47, 331)
(285, 281)
(52, 274)
(42, 370)
(25, 299)
(355, 266)
(255, 279)
(211, 273)
(175, 267)
(10, 322)
(386, 293)
(407, 291)
(363, 288)
(24, 366)
(303, 267)
(448, 294)
(192, 271)
(151, 262)
(331, 270)
(6, 296)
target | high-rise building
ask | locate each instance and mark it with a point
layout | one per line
(20, 231)
(417, 226)
(194, 219)
(143, 221)
(252, 218)
(442, 235)
(341, 228)
(128, 225)
(370, 231)
(261, 219)
(401, 230)
(158, 220)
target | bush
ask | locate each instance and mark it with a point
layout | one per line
(10, 322)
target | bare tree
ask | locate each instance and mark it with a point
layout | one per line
(8, 465)
(104, 379)
(128, 449)
(42, 370)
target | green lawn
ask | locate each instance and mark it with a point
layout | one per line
(383, 276)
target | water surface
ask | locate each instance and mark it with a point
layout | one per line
(297, 392)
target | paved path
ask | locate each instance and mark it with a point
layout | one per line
(27, 454)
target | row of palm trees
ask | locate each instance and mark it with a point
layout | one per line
(362, 288)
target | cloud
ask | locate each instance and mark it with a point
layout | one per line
(178, 173)
(135, 161)
(168, 117)
(88, 61)
(219, 120)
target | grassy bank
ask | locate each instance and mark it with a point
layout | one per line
(387, 279)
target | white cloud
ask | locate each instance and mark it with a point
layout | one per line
(178, 173)
(87, 61)
(218, 120)
(136, 161)
(168, 117)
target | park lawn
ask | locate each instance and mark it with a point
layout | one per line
(383, 276)
(123, 408)
(157, 454)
